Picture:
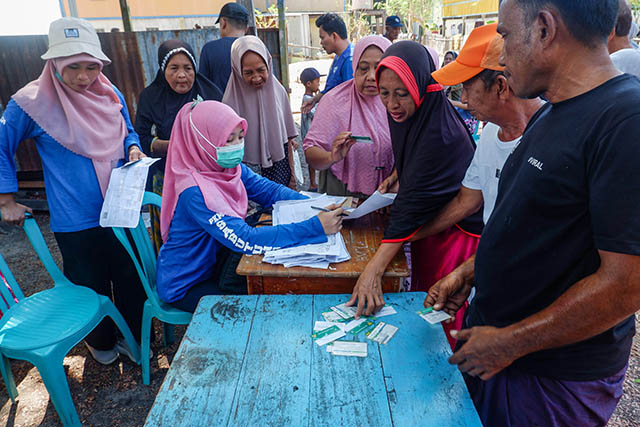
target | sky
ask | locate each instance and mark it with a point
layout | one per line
(21, 17)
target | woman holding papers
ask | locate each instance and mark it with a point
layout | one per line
(177, 83)
(432, 149)
(81, 127)
(206, 193)
(349, 166)
(255, 94)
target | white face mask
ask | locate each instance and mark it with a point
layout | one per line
(229, 156)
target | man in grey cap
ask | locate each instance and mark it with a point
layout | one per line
(215, 59)
(392, 27)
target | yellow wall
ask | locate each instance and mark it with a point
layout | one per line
(466, 7)
(148, 8)
(170, 8)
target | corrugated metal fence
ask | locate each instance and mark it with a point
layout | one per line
(134, 65)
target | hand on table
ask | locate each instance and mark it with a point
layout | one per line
(368, 290)
(341, 145)
(135, 154)
(486, 352)
(331, 221)
(448, 294)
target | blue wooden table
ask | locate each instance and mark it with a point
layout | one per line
(250, 360)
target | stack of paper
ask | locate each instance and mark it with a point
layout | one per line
(316, 255)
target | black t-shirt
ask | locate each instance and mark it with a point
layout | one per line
(571, 187)
(215, 61)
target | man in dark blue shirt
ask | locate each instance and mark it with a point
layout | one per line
(215, 59)
(334, 39)
(547, 337)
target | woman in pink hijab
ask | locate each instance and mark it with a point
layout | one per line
(204, 203)
(349, 166)
(255, 94)
(82, 130)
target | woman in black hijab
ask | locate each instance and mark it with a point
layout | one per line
(176, 84)
(432, 150)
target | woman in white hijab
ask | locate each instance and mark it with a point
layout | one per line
(255, 94)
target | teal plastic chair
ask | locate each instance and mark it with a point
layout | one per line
(146, 267)
(43, 327)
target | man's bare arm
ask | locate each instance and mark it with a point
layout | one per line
(466, 202)
(588, 308)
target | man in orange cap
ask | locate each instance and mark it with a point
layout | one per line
(489, 98)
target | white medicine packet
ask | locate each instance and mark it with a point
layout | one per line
(433, 316)
(348, 348)
(382, 333)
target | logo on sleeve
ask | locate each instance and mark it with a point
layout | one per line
(71, 33)
(535, 163)
(3, 120)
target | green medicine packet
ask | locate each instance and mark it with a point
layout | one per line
(325, 332)
(362, 327)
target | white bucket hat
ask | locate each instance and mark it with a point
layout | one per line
(72, 36)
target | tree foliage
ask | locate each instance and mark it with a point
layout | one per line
(411, 10)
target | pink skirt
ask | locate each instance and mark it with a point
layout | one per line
(433, 257)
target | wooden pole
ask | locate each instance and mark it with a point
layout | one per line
(248, 4)
(126, 16)
(284, 58)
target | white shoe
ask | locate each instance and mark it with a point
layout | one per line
(123, 348)
(104, 357)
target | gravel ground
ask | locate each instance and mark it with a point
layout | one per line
(115, 395)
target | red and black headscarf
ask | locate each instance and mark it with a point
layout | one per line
(432, 149)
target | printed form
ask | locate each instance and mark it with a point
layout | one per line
(122, 203)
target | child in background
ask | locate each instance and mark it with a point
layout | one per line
(310, 78)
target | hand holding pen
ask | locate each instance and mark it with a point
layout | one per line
(330, 218)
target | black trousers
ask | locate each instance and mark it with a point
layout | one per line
(95, 258)
(224, 281)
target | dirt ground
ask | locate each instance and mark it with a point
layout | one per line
(114, 395)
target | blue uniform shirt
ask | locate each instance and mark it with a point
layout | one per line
(188, 257)
(215, 61)
(73, 191)
(341, 69)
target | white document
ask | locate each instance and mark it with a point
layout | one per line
(318, 255)
(297, 168)
(122, 202)
(376, 201)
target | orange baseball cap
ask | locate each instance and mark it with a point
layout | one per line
(481, 51)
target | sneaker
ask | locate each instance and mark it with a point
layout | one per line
(123, 348)
(104, 357)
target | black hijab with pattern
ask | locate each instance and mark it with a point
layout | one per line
(159, 104)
